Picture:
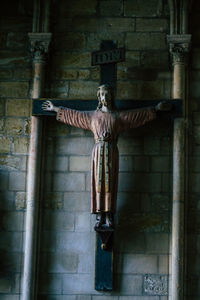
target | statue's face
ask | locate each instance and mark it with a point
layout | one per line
(105, 97)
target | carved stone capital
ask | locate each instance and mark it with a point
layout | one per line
(39, 46)
(179, 47)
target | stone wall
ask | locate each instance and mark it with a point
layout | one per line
(143, 220)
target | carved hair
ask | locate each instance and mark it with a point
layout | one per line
(108, 88)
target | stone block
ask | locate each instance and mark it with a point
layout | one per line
(150, 59)
(57, 163)
(60, 88)
(84, 297)
(78, 283)
(18, 108)
(14, 59)
(21, 145)
(141, 163)
(48, 239)
(146, 8)
(16, 40)
(130, 242)
(70, 41)
(50, 283)
(128, 201)
(59, 263)
(13, 221)
(104, 297)
(160, 203)
(111, 8)
(161, 164)
(72, 59)
(74, 242)
(127, 90)
(158, 243)
(156, 285)
(11, 240)
(76, 202)
(160, 25)
(5, 74)
(94, 40)
(17, 181)
(14, 89)
(53, 200)
(69, 182)
(7, 201)
(75, 146)
(4, 181)
(151, 145)
(55, 129)
(140, 182)
(1, 125)
(2, 107)
(84, 74)
(5, 285)
(150, 89)
(139, 264)
(88, 181)
(4, 144)
(86, 263)
(59, 221)
(14, 126)
(125, 163)
(74, 131)
(145, 41)
(83, 90)
(139, 298)
(129, 146)
(164, 264)
(3, 37)
(10, 297)
(79, 163)
(166, 145)
(117, 24)
(130, 284)
(95, 73)
(9, 162)
(20, 200)
(77, 8)
(82, 221)
(166, 182)
(22, 73)
(65, 74)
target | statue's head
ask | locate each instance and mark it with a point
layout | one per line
(105, 95)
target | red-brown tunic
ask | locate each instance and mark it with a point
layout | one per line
(106, 127)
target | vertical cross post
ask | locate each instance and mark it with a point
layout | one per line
(107, 58)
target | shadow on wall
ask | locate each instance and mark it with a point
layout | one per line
(143, 218)
(11, 257)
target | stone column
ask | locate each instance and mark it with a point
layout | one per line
(179, 47)
(39, 44)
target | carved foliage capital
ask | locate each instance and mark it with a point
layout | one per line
(179, 47)
(39, 45)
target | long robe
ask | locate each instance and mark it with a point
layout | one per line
(106, 127)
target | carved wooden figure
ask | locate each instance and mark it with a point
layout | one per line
(106, 123)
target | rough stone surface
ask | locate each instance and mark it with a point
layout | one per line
(18, 108)
(155, 285)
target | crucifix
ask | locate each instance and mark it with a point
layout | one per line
(106, 123)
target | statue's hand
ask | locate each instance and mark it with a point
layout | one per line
(163, 106)
(48, 105)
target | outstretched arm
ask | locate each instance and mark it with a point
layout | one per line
(80, 119)
(138, 117)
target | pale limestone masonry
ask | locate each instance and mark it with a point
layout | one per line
(142, 243)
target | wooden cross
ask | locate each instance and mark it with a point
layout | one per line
(107, 58)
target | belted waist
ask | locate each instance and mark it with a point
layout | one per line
(105, 139)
